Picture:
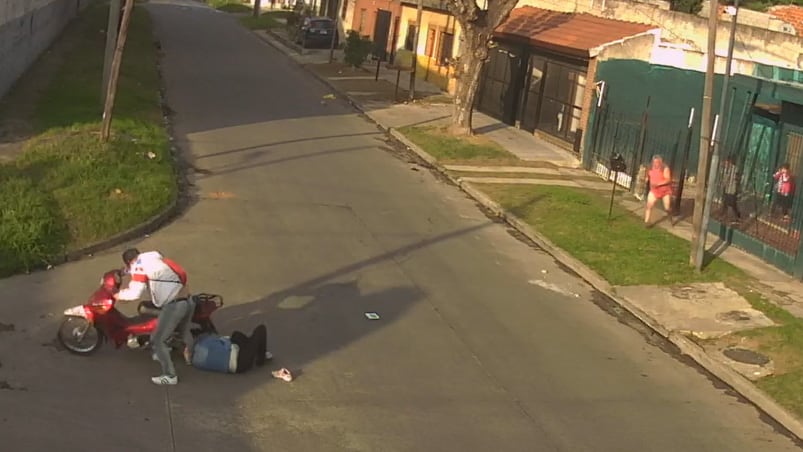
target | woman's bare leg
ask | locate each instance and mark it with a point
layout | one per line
(648, 210)
(667, 200)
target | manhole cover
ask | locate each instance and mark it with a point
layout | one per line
(745, 356)
(734, 316)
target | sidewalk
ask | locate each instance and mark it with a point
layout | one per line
(528, 148)
(699, 318)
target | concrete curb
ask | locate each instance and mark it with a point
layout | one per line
(140, 230)
(687, 347)
(728, 376)
(272, 40)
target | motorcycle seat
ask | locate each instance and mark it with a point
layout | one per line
(147, 308)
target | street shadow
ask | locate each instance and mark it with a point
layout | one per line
(280, 143)
(311, 322)
(428, 121)
(308, 301)
(306, 322)
(714, 251)
(521, 209)
(204, 173)
(490, 128)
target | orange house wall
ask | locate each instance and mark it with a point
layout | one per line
(371, 7)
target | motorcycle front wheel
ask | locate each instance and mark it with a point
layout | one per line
(78, 336)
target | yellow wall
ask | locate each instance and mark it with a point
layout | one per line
(428, 68)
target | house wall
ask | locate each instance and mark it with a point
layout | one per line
(347, 19)
(752, 43)
(364, 23)
(428, 67)
(27, 28)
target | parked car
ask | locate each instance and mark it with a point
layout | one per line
(317, 31)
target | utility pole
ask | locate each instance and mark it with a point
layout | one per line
(415, 48)
(111, 41)
(117, 61)
(257, 7)
(698, 238)
(335, 34)
(721, 119)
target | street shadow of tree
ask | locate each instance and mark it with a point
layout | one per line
(305, 322)
(311, 322)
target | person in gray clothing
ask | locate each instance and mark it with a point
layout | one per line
(730, 182)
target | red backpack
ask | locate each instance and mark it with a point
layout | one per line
(177, 269)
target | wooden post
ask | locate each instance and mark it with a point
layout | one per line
(698, 237)
(111, 91)
(717, 135)
(418, 15)
(111, 41)
(335, 35)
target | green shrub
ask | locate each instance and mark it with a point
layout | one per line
(357, 49)
(687, 6)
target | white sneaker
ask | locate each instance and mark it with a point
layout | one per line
(165, 380)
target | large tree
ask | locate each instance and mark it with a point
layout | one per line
(477, 27)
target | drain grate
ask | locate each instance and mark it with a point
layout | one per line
(734, 316)
(745, 356)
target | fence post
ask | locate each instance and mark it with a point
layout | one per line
(638, 156)
(590, 151)
(593, 147)
(684, 162)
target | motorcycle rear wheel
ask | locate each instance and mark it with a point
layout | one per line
(69, 336)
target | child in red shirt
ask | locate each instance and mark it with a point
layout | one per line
(784, 189)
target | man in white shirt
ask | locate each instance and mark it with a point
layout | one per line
(167, 282)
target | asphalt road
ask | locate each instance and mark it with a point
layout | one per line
(304, 220)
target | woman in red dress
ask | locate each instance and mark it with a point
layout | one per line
(660, 179)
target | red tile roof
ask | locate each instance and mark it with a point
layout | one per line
(569, 33)
(790, 14)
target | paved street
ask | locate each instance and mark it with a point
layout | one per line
(304, 220)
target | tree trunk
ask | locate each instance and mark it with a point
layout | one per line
(468, 71)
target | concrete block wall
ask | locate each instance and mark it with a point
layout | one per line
(27, 28)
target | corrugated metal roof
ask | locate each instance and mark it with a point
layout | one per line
(575, 34)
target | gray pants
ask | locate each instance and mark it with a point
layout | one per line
(174, 314)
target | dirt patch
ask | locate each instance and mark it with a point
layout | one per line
(6, 327)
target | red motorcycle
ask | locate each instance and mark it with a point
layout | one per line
(86, 326)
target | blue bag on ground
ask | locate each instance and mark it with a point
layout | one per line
(213, 353)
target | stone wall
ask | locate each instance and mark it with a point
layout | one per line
(27, 28)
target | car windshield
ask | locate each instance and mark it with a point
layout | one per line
(326, 24)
